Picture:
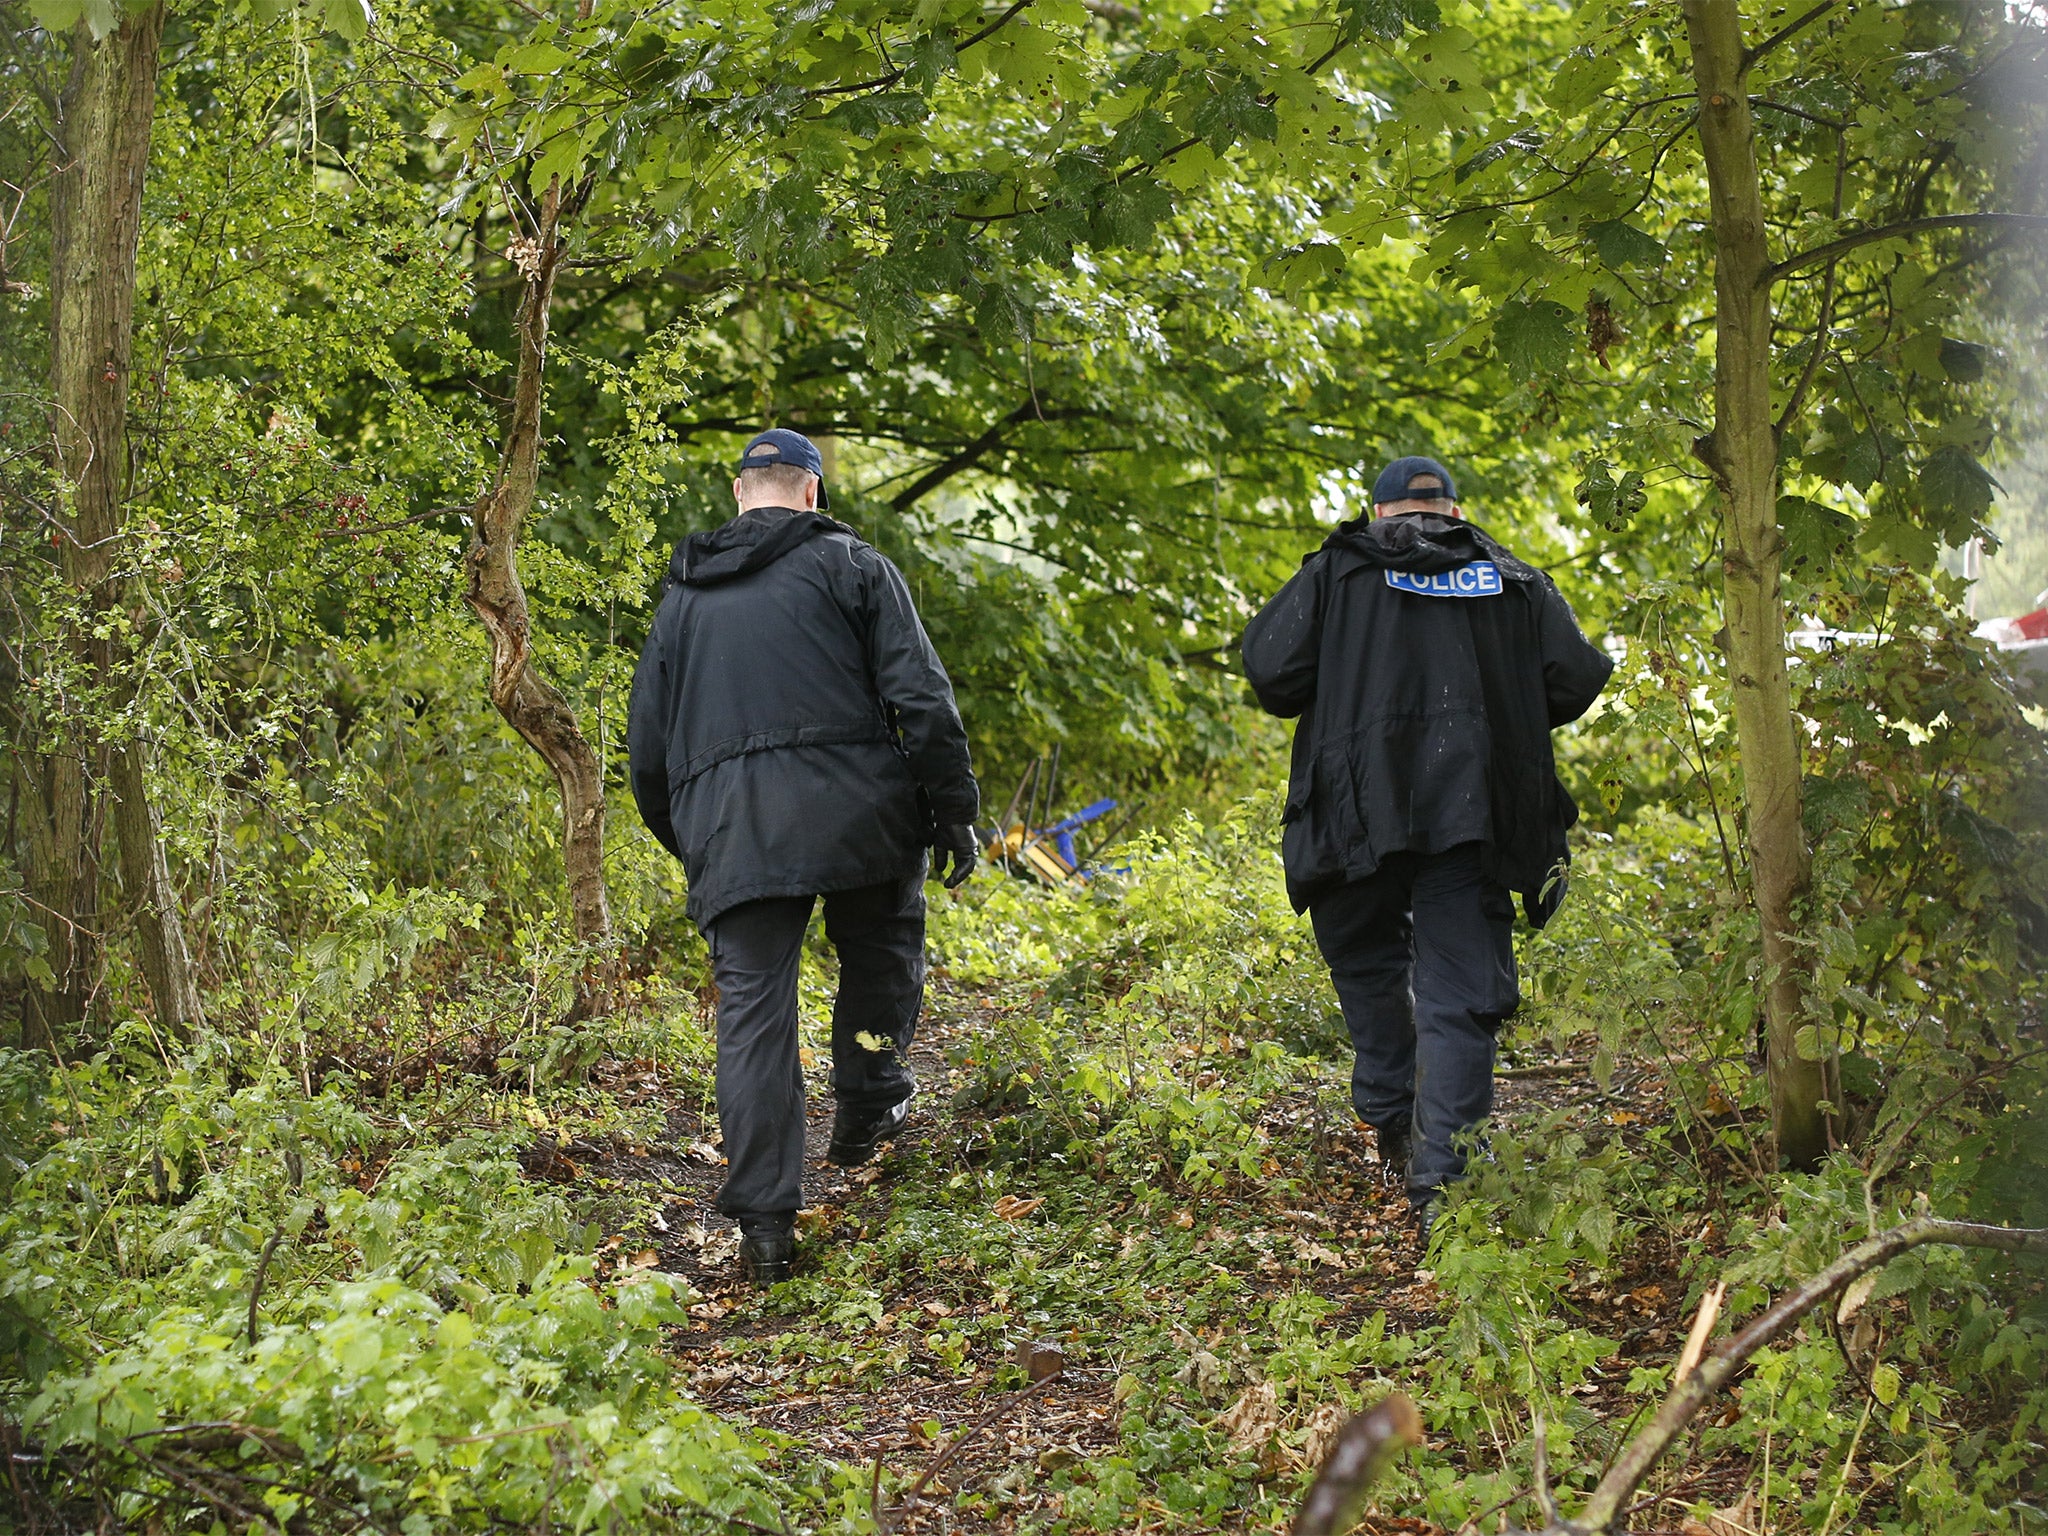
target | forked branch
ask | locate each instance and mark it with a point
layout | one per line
(1371, 1440)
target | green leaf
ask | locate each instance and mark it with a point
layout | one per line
(1533, 336)
(1613, 503)
(1579, 81)
(1962, 361)
(1318, 261)
(1815, 535)
(57, 15)
(535, 59)
(349, 20)
(1955, 490)
(1620, 244)
(1386, 19)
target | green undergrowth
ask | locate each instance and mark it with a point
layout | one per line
(1157, 1061)
(233, 1301)
(293, 1275)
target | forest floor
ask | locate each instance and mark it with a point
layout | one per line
(891, 1375)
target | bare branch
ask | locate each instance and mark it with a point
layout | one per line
(368, 529)
(1365, 1446)
(1834, 250)
(1784, 34)
(1686, 1398)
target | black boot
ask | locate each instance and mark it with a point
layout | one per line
(1423, 1211)
(1397, 1146)
(768, 1255)
(855, 1138)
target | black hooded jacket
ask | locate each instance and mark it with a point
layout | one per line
(1425, 720)
(792, 731)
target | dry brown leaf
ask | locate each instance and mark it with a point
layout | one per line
(1855, 1296)
(1738, 1519)
(646, 1258)
(1321, 1434)
(1316, 1253)
(1041, 1358)
(1012, 1208)
(1204, 1372)
(1254, 1419)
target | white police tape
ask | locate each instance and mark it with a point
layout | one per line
(1480, 578)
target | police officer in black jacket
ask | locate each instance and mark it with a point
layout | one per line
(793, 735)
(1427, 666)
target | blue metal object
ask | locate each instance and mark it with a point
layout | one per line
(1062, 832)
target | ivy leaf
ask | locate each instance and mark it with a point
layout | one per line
(1533, 336)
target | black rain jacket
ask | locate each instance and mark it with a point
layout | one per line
(792, 731)
(1425, 720)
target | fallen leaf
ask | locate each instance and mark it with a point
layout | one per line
(703, 1152)
(938, 1309)
(1738, 1519)
(1011, 1208)
(1041, 1358)
(1254, 1419)
(1204, 1372)
(646, 1258)
(1321, 1433)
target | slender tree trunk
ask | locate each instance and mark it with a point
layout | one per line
(60, 823)
(532, 706)
(1742, 453)
(103, 130)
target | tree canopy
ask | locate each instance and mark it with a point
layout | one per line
(360, 366)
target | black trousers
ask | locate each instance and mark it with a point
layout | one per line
(878, 933)
(1422, 955)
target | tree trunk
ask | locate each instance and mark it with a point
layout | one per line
(103, 130)
(1742, 453)
(528, 702)
(60, 819)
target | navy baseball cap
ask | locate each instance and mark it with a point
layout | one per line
(1392, 484)
(779, 445)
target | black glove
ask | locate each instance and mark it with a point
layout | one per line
(960, 842)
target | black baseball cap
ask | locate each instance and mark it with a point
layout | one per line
(779, 445)
(1394, 480)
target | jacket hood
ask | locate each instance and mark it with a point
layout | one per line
(1422, 542)
(758, 537)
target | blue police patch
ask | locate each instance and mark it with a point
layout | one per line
(1478, 578)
